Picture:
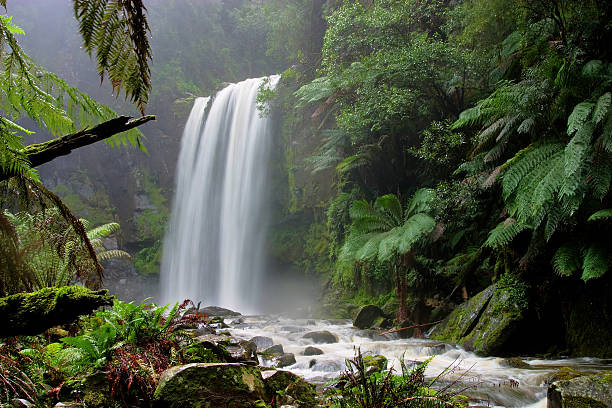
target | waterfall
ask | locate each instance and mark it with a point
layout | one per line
(213, 249)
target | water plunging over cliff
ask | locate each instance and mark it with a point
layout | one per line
(213, 247)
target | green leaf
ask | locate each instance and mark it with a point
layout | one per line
(596, 261)
(579, 116)
(602, 107)
(566, 260)
(504, 233)
(601, 215)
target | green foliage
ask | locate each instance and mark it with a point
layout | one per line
(516, 290)
(118, 33)
(363, 388)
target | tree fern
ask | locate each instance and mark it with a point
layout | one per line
(596, 261)
(504, 233)
(566, 260)
(320, 88)
(604, 214)
(117, 31)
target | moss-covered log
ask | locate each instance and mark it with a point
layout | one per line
(41, 153)
(33, 313)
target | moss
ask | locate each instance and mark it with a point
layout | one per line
(581, 402)
(210, 385)
(33, 313)
(96, 399)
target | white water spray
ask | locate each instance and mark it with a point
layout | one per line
(214, 244)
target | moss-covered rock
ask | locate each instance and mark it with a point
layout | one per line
(33, 313)
(594, 391)
(483, 324)
(378, 362)
(212, 385)
(370, 317)
(283, 383)
(464, 318)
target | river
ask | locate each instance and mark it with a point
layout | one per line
(487, 380)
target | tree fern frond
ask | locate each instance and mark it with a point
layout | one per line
(606, 135)
(118, 33)
(390, 205)
(103, 231)
(602, 107)
(420, 202)
(604, 214)
(600, 174)
(504, 233)
(596, 262)
(320, 88)
(415, 228)
(566, 260)
(352, 162)
(523, 162)
(112, 254)
(579, 116)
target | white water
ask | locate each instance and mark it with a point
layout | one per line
(484, 379)
(213, 247)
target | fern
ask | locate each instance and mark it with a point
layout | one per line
(602, 108)
(117, 31)
(504, 233)
(601, 215)
(579, 116)
(596, 262)
(318, 89)
(566, 260)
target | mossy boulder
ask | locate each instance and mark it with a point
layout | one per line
(33, 313)
(483, 324)
(594, 390)
(378, 362)
(321, 337)
(283, 384)
(204, 385)
(371, 317)
(464, 318)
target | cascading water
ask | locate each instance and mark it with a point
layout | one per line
(213, 247)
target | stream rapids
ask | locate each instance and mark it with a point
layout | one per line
(486, 380)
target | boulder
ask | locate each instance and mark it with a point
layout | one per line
(218, 311)
(483, 324)
(594, 390)
(285, 360)
(210, 385)
(312, 351)
(514, 362)
(274, 351)
(371, 317)
(262, 342)
(243, 352)
(378, 362)
(284, 383)
(321, 337)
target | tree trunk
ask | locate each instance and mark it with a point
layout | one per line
(41, 153)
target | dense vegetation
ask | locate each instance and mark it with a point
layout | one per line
(501, 109)
(425, 150)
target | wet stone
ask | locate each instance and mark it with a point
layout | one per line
(312, 351)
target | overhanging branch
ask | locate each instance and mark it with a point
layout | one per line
(41, 153)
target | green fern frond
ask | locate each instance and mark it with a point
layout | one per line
(420, 202)
(390, 205)
(602, 108)
(415, 228)
(596, 262)
(103, 231)
(566, 260)
(118, 33)
(579, 116)
(352, 162)
(606, 135)
(504, 233)
(604, 214)
(523, 163)
(318, 89)
(600, 175)
(112, 254)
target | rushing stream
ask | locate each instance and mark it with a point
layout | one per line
(485, 379)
